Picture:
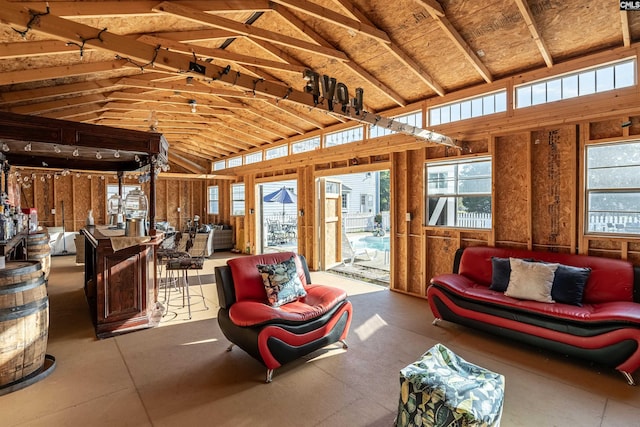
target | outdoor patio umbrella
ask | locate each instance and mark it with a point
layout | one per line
(284, 196)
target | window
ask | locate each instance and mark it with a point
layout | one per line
(253, 158)
(585, 82)
(411, 119)
(473, 107)
(345, 200)
(237, 199)
(214, 200)
(613, 188)
(219, 165)
(343, 137)
(459, 193)
(305, 145)
(275, 152)
(235, 161)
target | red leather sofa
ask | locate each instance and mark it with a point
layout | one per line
(277, 335)
(604, 327)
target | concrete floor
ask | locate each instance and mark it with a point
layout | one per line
(180, 374)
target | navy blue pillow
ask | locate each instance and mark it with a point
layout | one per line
(500, 274)
(568, 284)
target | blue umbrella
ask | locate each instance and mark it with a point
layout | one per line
(283, 196)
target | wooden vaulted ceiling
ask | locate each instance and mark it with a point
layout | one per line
(218, 78)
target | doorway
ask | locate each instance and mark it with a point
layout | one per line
(364, 226)
(277, 219)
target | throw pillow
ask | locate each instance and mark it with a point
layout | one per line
(569, 283)
(500, 273)
(281, 282)
(531, 280)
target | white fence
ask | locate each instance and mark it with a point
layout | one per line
(356, 222)
(614, 223)
(473, 220)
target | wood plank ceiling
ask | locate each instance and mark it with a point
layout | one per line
(141, 64)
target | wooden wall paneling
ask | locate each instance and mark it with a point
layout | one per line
(512, 195)
(491, 148)
(81, 203)
(161, 200)
(414, 189)
(553, 178)
(441, 249)
(64, 193)
(307, 237)
(247, 227)
(399, 187)
(173, 203)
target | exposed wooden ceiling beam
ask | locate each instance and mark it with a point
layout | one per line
(331, 17)
(42, 107)
(523, 6)
(352, 65)
(185, 109)
(457, 40)
(183, 162)
(293, 112)
(100, 9)
(78, 113)
(242, 29)
(176, 99)
(26, 49)
(255, 127)
(19, 15)
(222, 55)
(193, 36)
(85, 88)
(395, 49)
(624, 24)
(195, 87)
(268, 117)
(39, 74)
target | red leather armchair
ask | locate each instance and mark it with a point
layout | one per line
(277, 335)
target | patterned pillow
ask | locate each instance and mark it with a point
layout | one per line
(281, 282)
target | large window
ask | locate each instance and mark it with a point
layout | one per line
(585, 82)
(482, 105)
(305, 145)
(343, 137)
(412, 119)
(613, 188)
(459, 193)
(214, 200)
(237, 199)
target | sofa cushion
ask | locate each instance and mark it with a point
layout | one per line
(281, 282)
(500, 273)
(569, 283)
(247, 280)
(318, 301)
(531, 280)
(610, 279)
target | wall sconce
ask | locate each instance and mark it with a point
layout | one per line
(193, 103)
(301, 212)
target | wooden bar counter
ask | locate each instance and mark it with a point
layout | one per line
(120, 284)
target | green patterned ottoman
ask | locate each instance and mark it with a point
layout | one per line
(443, 390)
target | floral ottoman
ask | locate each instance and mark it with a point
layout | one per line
(443, 390)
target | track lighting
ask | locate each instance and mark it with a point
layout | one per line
(117, 154)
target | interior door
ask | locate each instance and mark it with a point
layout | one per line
(329, 222)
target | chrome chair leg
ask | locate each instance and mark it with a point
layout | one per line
(344, 344)
(436, 321)
(629, 378)
(230, 347)
(269, 375)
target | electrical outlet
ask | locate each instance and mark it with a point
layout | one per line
(53, 211)
(408, 216)
(178, 209)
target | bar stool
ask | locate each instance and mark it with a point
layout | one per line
(180, 265)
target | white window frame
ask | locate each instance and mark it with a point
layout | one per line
(618, 218)
(239, 211)
(213, 200)
(443, 196)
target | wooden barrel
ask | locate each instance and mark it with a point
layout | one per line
(24, 321)
(38, 250)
